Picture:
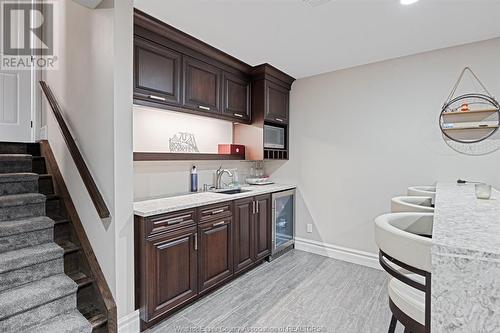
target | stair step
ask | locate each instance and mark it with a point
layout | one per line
(36, 302)
(18, 206)
(25, 233)
(95, 315)
(29, 264)
(81, 279)
(9, 228)
(12, 163)
(60, 220)
(69, 247)
(38, 165)
(19, 148)
(18, 183)
(71, 321)
(98, 321)
(45, 184)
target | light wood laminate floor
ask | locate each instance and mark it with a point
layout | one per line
(299, 290)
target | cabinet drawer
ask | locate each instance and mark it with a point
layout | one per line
(216, 211)
(170, 221)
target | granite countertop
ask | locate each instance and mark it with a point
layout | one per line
(465, 287)
(157, 206)
(464, 224)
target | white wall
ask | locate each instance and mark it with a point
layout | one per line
(94, 88)
(153, 179)
(360, 136)
(154, 127)
(123, 156)
(83, 86)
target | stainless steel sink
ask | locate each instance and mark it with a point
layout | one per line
(232, 191)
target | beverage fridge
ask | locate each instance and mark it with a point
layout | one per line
(283, 222)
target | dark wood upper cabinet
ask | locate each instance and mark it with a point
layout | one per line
(215, 253)
(236, 96)
(263, 231)
(157, 73)
(277, 100)
(171, 271)
(243, 234)
(202, 86)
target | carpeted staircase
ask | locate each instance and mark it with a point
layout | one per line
(35, 293)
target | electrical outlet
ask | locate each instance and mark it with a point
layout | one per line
(309, 228)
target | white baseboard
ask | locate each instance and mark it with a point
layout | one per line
(129, 323)
(338, 252)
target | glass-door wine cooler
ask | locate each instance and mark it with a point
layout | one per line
(283, 222)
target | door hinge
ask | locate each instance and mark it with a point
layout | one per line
(31, 124)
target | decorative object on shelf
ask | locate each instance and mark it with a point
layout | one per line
(469, 121)
(183, 142)
(231, 149)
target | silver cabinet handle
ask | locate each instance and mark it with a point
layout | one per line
(218, 211)
(164, 246)
(257, 204)
(173, 220)
(279, 119)
(219, 223)
(253, 207)
(239, 115)
(196, 242)
(204, 107)
(163, 99)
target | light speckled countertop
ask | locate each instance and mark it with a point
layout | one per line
(464, 223)
(157, 206)
(465, 286)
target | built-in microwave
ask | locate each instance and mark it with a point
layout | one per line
(274, 137)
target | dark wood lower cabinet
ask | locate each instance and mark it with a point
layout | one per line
(171, 271)
(185, 254)
(252, 231)
(243, 234)
(263, 230)
(215, 253)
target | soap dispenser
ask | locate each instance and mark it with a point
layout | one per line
(194, 179)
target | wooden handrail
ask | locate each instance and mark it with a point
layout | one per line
(84, 171)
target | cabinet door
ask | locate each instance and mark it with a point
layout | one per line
(263, 227)
(157, 73)
(171, 266)
(243, 234)
(202, 86)
(215, 253)
(277, 99)
(236, 97)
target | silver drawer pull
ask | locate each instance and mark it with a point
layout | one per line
(218, 211)
(279, 119)
(204, 107)
(218, 223)
(163, 99)
(164, 246)
(173, 220)
(239, 115)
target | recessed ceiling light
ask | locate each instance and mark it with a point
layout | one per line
(407, 2)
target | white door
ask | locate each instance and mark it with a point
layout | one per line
(15, 106)
(16, 94)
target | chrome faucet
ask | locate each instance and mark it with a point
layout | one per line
(218, 176)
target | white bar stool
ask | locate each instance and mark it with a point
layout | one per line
(411, 204)
(422, 191)
(404, 240)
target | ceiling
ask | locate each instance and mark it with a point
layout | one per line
(305, 39)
